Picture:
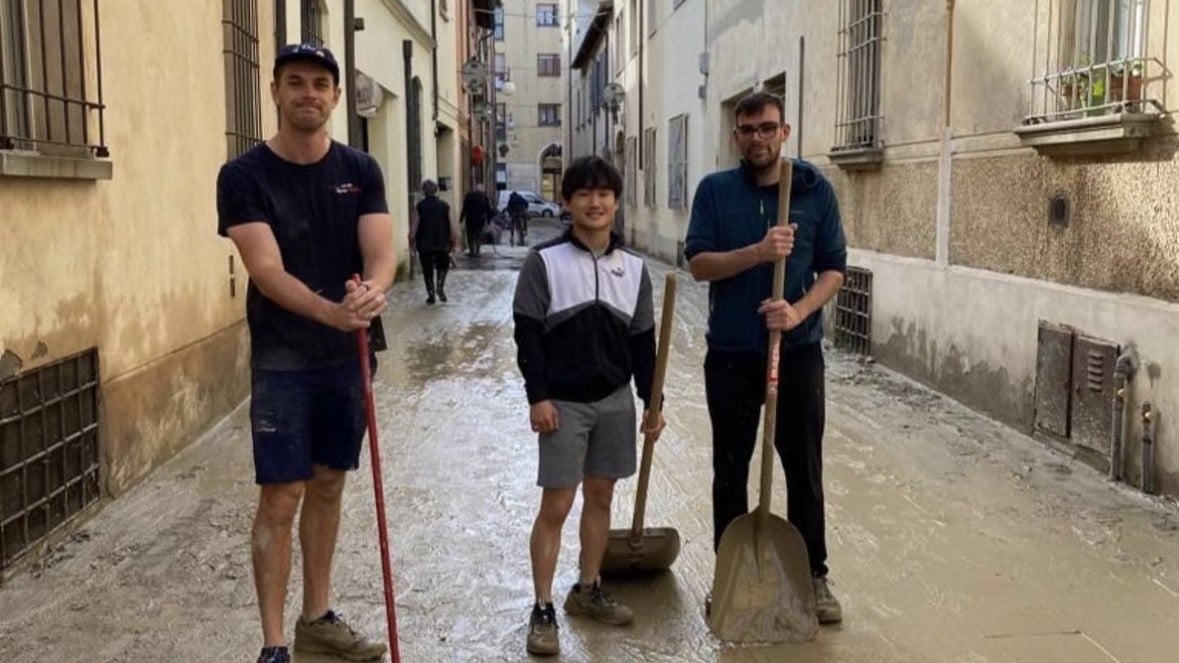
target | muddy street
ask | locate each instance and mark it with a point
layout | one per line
(952, 539)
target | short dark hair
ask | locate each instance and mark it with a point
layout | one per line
(590, 173)
(755, 101)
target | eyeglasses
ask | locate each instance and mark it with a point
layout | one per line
(764, 130)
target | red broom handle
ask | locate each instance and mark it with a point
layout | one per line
(370, 411)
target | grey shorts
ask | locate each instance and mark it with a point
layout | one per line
(592, 440)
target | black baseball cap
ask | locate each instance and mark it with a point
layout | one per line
(307, 53)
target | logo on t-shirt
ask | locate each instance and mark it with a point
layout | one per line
(617, 271)
(347, 188)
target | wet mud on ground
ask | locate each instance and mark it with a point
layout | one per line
(953, 539)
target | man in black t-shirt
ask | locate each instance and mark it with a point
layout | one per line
(306, 213)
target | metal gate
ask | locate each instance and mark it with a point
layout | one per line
(853, 312)
(49, 466)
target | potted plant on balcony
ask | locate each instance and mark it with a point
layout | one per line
(1074, 88)
(1125, 81)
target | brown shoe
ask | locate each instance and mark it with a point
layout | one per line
(332, 635)
(542, 631)
(595, 603)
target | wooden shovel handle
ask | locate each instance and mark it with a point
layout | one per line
(771, 412)
(656, 406)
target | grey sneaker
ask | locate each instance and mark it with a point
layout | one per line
(595, 603)
(332, 635)
(826, 605)
(542, 631)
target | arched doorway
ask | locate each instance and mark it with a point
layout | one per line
(551, 167)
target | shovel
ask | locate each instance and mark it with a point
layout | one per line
(762, 590)
(639, 549)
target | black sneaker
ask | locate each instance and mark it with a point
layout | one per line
(542, 631)
(274, 655)
(442, 294)
(430, 299)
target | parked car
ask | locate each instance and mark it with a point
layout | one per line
(537, 206)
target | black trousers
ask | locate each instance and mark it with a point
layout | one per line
(735, 388)
(434, 261)
(474, 237)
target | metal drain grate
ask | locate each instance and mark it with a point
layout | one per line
(853, 312)
(49, 467)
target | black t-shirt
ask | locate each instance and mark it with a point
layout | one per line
(314, 211)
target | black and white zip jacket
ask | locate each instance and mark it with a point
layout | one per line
(584, 324)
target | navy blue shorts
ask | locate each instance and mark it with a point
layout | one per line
(302, 418)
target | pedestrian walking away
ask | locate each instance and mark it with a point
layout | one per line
(518, 212)
(476, 213)
(732, 243)
(306, 213)
(584, 330)
(434, 235)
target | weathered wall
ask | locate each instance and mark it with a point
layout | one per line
(133, 265)
(972, 334)
(891, 211)
(1123, 235)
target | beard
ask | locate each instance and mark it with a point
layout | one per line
(761, 158)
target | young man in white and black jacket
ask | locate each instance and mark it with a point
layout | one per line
(585, 327)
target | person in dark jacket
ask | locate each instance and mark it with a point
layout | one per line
(585, 328)
(477, 211)
(518, 211)
(733, 243)
(434, 236)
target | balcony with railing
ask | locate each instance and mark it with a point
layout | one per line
(1098, 84)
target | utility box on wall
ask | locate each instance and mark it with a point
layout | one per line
(1074, 389)
(1093, 392)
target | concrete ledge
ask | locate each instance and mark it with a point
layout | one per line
(1105, 134)
(33, 164)
(860, 158)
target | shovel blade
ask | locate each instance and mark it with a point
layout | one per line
(762, 591)
(656, 550)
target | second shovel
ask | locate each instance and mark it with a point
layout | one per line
(647, 549)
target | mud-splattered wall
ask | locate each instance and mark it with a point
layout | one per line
(1121, 234)
(132, 264)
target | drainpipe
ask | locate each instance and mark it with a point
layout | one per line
(434, 53)
(1149, 423)
(801, 74)
(407, 58)
(946, 161)
(280, 23)
(350, 73)
(1124, 369)
(642, 83)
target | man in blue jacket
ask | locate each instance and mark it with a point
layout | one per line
(733, 243)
